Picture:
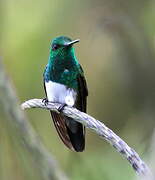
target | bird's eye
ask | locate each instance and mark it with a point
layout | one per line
(55, 47)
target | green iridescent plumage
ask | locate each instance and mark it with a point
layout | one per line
(63, 66)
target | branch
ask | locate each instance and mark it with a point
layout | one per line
(46, 163)
(89, 122)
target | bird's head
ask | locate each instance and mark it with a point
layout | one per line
(62, 46)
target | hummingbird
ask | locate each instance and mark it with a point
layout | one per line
(65, 83)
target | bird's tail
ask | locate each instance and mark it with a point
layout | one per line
(71, 132)
(76, 134)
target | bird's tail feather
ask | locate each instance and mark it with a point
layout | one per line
(71, 132)
(76, 134)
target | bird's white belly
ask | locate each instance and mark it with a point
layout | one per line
(59, 93)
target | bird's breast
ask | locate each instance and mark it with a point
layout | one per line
(59, 93)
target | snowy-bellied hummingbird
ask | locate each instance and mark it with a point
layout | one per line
(64, 83)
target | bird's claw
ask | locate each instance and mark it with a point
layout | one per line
(45, 101)
(61, 107)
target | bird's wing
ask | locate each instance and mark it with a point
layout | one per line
(81, 101)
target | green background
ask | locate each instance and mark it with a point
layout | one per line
(117, 52)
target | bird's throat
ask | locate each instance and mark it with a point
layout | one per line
(63, 70)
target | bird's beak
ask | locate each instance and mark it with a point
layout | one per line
(72, 42)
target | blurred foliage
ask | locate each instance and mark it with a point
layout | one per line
(117, 54)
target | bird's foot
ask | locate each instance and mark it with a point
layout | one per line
(61, 107)
(45, 101)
